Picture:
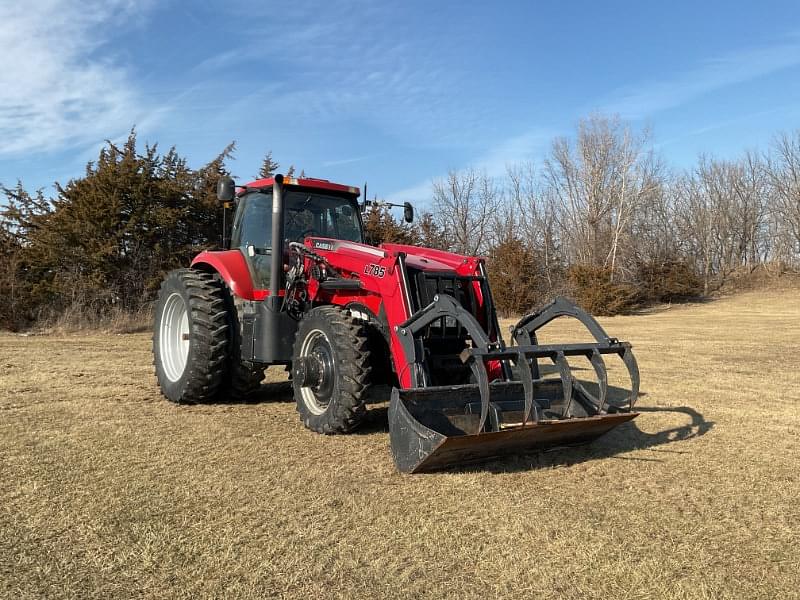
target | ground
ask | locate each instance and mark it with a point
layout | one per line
(107, 490)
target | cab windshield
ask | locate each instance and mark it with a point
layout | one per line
(321, 216)
(305, 214)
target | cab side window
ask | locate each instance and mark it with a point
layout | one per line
(253, 225)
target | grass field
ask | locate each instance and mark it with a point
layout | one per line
(106, 490)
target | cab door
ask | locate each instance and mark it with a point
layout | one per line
(252, 234)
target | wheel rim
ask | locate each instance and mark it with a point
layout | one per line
(317, 352)
(173, 337)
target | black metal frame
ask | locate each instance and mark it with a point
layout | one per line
(525, 353)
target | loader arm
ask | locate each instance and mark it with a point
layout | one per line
(463, 394)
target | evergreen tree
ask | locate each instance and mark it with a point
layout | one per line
(429, 234)
(114, 232)
(21, 214)
(268, 167)
(205, 206)
(380, 226)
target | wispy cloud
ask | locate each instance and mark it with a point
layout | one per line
(349, 62)
(786, 109)
(643, 99)
(345, 161)
(55, 89)
(524, 147)
(527, 146)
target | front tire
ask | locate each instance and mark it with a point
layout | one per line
(330, 370)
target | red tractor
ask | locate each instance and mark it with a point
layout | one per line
(343, 316)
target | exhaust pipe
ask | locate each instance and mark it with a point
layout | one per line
(276, 263)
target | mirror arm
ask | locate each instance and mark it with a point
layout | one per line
(384, 203)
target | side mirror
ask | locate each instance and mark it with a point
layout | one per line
(226, 189)
(408, 212)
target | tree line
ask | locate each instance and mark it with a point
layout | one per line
(602, 218)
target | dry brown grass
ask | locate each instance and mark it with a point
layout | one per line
(78, 318)
(109, 491)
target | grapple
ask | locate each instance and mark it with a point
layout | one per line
(434, 427)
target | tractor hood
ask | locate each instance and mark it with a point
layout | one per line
(424, 263)
(430, 259)
(421, 259)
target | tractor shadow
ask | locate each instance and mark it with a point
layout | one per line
(273, 391)
(619, 441)
(616, 443)
(269, 392)
(281, 391)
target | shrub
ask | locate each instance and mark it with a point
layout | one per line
(517, 277)
(668, 281)
(594, 291)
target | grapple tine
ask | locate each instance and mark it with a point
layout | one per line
(566, 381)
(435, 426)
(602, 379)
(633, 370)
(482, 377)
(525, 371)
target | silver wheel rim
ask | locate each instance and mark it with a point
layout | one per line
(309, 397)
(173, 337)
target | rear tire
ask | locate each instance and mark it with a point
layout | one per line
(242, 378)
(330, 370)
(190, 336)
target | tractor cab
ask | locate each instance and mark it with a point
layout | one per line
(311, 208)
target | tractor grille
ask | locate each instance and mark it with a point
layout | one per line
(445, 338)
(425, 285)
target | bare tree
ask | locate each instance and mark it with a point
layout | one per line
(653, 233)
(696, 219)
(465, 203)
(784, 177)
(598, 183)
(749, 211)
(534, 216)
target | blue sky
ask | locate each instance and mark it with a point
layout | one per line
(394, 93)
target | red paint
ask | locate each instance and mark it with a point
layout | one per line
(463, 265)
(306, 182)
(350, 259)
(231, 266)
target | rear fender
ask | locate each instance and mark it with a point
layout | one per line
(232, 267)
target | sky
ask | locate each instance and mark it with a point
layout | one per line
(393, 93)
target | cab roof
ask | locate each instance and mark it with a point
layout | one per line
(306, 182)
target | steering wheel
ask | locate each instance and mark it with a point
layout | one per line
(307, 232)
(302, 249)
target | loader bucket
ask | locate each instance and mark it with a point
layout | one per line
(439, 427)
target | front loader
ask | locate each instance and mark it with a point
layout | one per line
(344, 316)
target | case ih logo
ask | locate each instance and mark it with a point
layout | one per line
(323, 245)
